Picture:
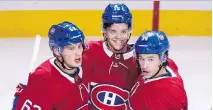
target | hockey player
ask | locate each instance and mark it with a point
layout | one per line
(114, 70)
(160, 86)
(60, 82)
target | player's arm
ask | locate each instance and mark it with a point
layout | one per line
(19, 89)
(34, 96)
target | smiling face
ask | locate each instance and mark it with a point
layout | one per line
(117, 35)
(149, 64)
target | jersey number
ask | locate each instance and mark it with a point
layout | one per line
(28, 104)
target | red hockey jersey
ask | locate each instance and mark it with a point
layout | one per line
(163, 93)
(112, 78)
(49, 88)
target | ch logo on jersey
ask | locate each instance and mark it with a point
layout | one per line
(106, 96)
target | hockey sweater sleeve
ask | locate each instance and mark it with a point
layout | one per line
(34, 96)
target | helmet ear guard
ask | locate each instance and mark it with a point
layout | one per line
(59, 49)
(163, 56)
(164, 59)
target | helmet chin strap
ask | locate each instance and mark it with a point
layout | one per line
(63, 65)
(160, 67)
(163, 60)
(72, 70)
(62, 62)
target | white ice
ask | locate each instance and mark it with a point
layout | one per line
(193, 55)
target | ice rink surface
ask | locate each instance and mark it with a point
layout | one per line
(193, 56)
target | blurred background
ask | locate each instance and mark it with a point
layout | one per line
(188, 24)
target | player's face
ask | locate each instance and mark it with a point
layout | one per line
(72, 55)
(149, 64)
(117, 35)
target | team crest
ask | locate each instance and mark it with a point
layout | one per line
(106, 97)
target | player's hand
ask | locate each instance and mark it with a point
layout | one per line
(19, 88)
